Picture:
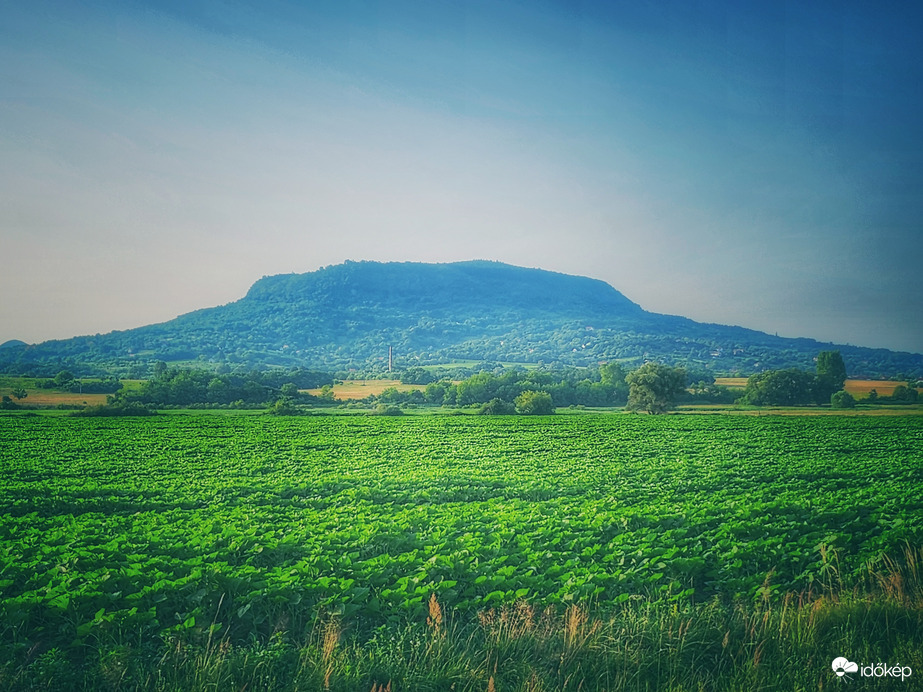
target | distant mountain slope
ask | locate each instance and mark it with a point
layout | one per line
(12, 342)
(348, 315)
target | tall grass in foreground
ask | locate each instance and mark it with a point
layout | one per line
(772, 643)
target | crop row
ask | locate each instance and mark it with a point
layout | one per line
(182, 522)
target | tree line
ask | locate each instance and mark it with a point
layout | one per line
(184, 386)
(600, 386)
(794, 387)
(653, 387)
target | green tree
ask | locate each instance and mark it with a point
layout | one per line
(435, 393)
(831, 375)
(63, 378)
(531, 403)
(497, 407)
(326, 393)
(842, 399)
(284, 406)
(612, 373)
(416, 376)
(612, 376)
(19, 392)
(654, 387)
(218, 391)
(903, 394)
(790, 387)
(476, 389)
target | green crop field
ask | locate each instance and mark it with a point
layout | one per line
(242, 528)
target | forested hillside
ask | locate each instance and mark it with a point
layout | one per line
(349, 315)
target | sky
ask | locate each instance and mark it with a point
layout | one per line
(748, 163)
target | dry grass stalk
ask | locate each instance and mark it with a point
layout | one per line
(512, 622)
(758, 654)
(901, 580)
(332, 632)
(576, 631)
(435, 616)
(574, 619)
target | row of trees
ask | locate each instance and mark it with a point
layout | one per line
(183, 386)
(652, 387)
(902, 394)
(529, 403)
(794, 387)
(601, 386)
(65, 380)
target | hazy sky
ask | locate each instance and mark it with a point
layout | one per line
(757, 164)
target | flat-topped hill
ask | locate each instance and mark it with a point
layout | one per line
(349, 315)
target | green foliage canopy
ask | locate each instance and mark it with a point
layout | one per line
(654, 387)
(831, 374)
(183, 386)
(789, 387)
(842, 399)
(531, 403)
(497, 407)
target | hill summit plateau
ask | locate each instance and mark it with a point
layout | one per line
(349, 315)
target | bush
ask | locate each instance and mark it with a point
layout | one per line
(842, 399)
(132, 408)
(284, 406)
(497, 407)
(531, 403)
(385, 410)
(903, 394)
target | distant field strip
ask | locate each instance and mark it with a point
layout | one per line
(733, 382)
(45, 397)
(156, 524)
(360, 389)
(861, 388)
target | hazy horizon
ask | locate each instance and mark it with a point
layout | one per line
(757, 167)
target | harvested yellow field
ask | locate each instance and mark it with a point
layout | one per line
(41, 397)
(861, 388)
(359, 389)
(732, 382)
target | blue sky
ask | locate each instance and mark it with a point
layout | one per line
(757, 164)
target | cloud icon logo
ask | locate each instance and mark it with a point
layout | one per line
(841, 666)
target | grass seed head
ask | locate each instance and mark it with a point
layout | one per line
(332, 632)
(435, 615)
